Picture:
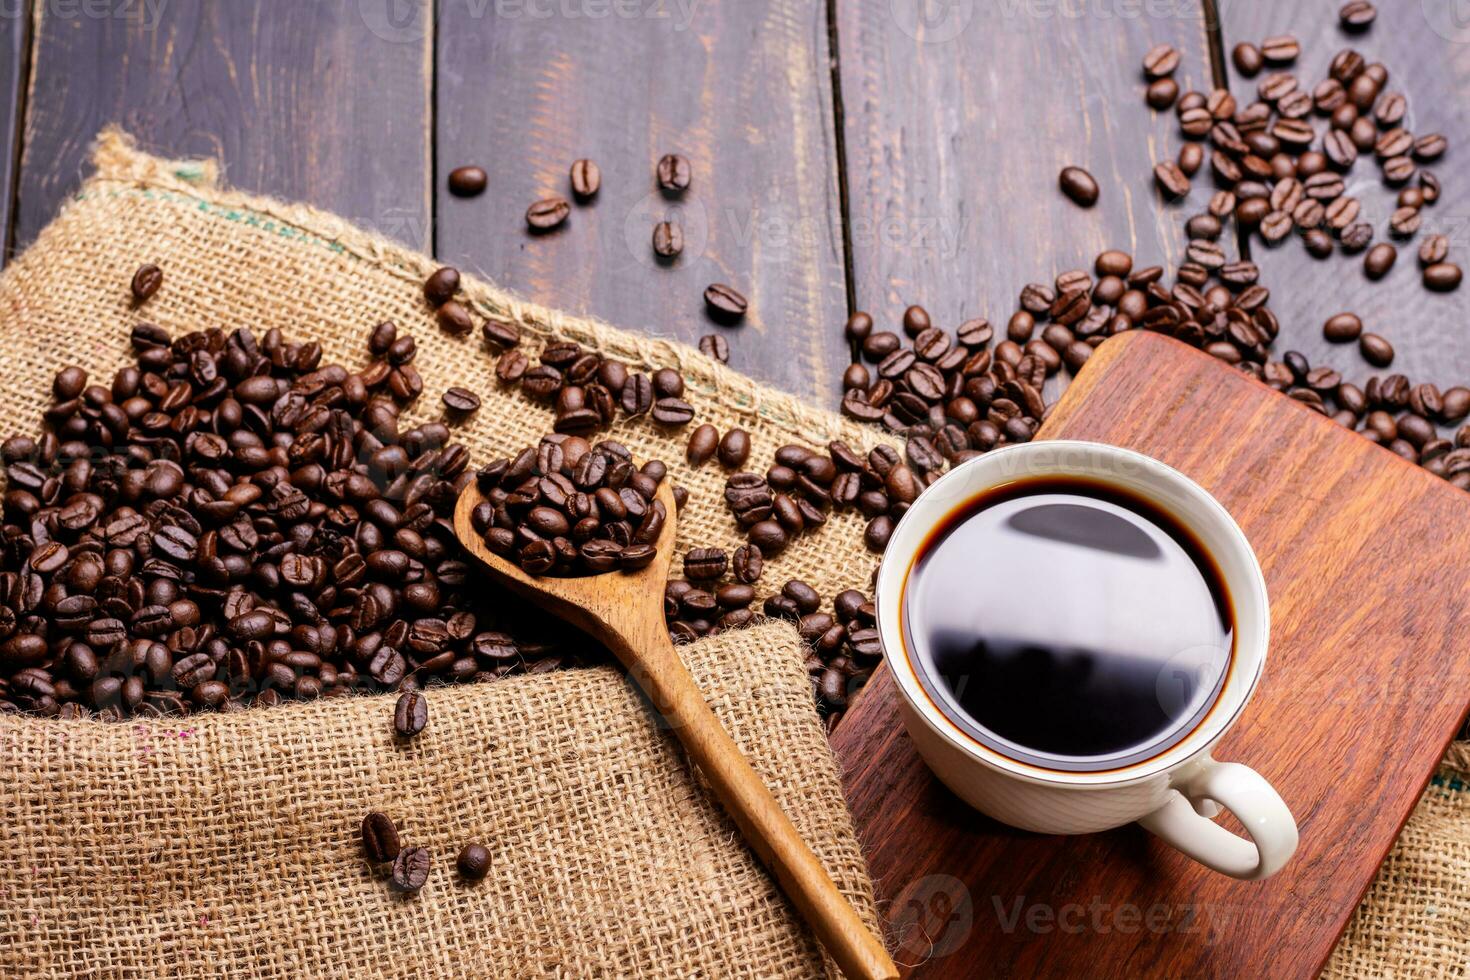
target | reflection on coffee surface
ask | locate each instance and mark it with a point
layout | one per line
(1068, 625)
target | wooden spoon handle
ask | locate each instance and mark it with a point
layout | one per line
(767, 829)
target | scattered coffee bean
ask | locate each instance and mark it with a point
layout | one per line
(715, 346)
(1342, 328)
(146, 282)
(467, 181)
(410, 714)
(454, 318)
(1375, 350)
(410, 869)
(1442, 277)
(473, 862)
(673, 173)
(1171, 180)
(724, 303)
(1079, 185)
(1379, 260)
(1357, 15)
(460, 401)
(1247, 59)
(379, 838)
(1160, 60)
(734, 449)
(586, 179)
(668, 239)
(1434, 248)
(703, 442)
(441, 286)
(1280, 50)
(548, 214)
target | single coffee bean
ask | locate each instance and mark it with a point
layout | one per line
(1433, 249)
(1161, 93)
(724, 303)
(410, 714)
(1247, 59)
(410, 869)
(467, 181)
(1280, 50)
(379, 838)
(715, 346)
(672, 412)
(704, 564)
(734, 449)
(1160, 60)
(441, 286)
(668, 239)
(747, 564)
(500, 334)
(1404, 222)
(1171, 179)
(548, 214)
(146, 282)
(473, 862)
(1356, 15)
(673, 173)
(1442, 277)
(1375, 350)
(1342, 327)
(586, 179)
(454, 318)
(1079, 185)
(461, 401)
(1379, 260)
(703, 442)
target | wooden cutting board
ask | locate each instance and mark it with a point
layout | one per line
(1367, 680)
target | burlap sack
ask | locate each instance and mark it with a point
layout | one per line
(227, 845)
(230, 259)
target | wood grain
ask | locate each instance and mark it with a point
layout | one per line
(956, 130)
(1367, 679)
(625, 612)
(743, 90)
(1428, 60)
(13, 36)
(322, 102)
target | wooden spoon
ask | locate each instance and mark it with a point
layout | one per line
(625, 611)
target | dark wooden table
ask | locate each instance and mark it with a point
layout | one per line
(851, 154)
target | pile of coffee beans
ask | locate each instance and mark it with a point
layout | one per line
(1280, 176)
(570, 507)
(228, 522)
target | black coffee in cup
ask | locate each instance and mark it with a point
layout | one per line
(1068, 624)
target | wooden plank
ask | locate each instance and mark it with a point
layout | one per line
(1428, 59)
(1367, 678)
(959, 117)
(13, 22)
(743, 90)
(322, 102)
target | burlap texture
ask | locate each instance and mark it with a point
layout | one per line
(653, 880)
(227, 845)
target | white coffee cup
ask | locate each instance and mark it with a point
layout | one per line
(1173, 794)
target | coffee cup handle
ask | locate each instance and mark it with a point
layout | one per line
(1183, 821)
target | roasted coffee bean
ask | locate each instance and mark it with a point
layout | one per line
(548, 214)
(668, 239)
(704, 564)
(734, 449)
(703, 442)
(1434, 248)
(473, 863)
(1280, 50)
(1342, 328)
(439, 288)
(460, 401)
(673, 173)
(672, 412)
(747, 564)
(1079, 185)
(1375, 350)
(1247, 59)
(410, 869)
(1160, 60)
(146, 282)
(1356, 15)
(1379, 260)
(379, 838)
(410, 714)
(454, 318)
(467, 181)
(1160, 94)
(586, 179)
(1171, 180)
(1442, 277)
(724, 303)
